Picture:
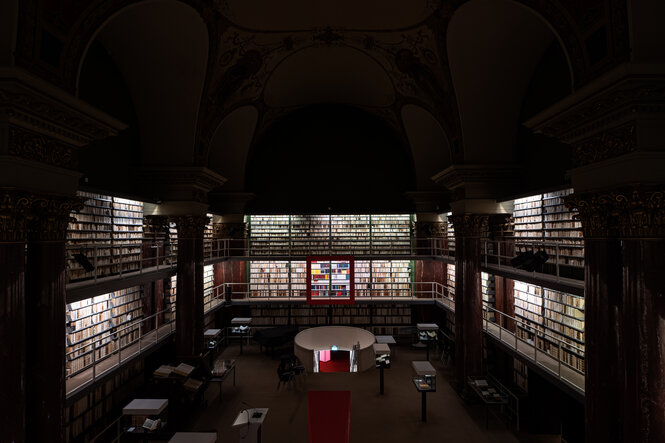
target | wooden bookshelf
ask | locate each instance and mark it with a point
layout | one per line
(521, 374)
(170, 292)
(98, 325)
(558, 314)
(544, 217)
(488, 294)
(391, 278)
(450, 279)
(326, 234)
(108, 231)
(208, 283)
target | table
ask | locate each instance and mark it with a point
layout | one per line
(236, 327)
(489, 394)
(194, 437)
(424, 369)
(426, 327)
(221, 371)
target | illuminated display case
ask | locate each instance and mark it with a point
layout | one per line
(330, 280)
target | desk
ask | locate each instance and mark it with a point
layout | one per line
(489, 394)
(211, 342)
(139, 410)
(382, 360)
(194, 437)
(221, 371)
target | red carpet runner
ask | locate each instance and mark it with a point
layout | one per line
(329, 414)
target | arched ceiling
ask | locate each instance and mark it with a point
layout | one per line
(429, 144)
(230, 146)
(295, 15)
(335, 74)
(165, 72)
(493, 49)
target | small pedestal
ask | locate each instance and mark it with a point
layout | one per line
(211, 340)
(424, 381)
(241, 326)
(248, 422)
(145, 416)
(382, 359)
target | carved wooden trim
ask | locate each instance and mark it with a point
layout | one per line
(636, 212)
(36, 147)
(609, 144)
(425, 229)
(155, 226)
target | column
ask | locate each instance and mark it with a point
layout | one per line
(45, 317)
(13, 231)
(189, 300)
(428, 230)
(625, 361)
(468, 299)
(502, 240)
(155, 234)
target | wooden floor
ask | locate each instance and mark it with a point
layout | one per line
(393, 417)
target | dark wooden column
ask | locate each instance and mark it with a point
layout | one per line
(428, 270)
(624, 308)
(189, 298)
(45, 318)
(13, 231)
(468, 298)
(155, 234)
(501, 234)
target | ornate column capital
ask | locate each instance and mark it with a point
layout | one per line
(470, 225)
(50, 216)
(155, 225)
(429, 229)
(190, 226)
(633, 212)
(14, 213)
(230, 230)
(501, 226)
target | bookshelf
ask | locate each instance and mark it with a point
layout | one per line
(98, 325)
(450, 280)
(269, 278)
(330, 234)
(108, 231)
(391, 278)
(559, 314)
(544, 217)
(208, 283)
(450, 232)
(363, 278)
(521, 374)
(170, 291)
(488, 294)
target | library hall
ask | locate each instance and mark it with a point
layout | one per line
(309, 221)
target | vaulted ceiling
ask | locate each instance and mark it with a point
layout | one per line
(415, 87)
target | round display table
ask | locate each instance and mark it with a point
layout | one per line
(324, 338)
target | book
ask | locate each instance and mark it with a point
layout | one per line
(192, 384)
(151, 425)
(482, 383)
(183, 369)
(163, 371)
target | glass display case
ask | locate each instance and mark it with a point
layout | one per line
(381, 355)
(424, 377)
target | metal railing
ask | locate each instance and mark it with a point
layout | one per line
(544, 349)
(122, 349)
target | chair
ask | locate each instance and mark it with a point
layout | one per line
(285, 373)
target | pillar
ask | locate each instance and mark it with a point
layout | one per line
(428, 228)
(45, 317)
(624, 255)
(189, 299)
(468, 299)
(155, 236)
(13, 231)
